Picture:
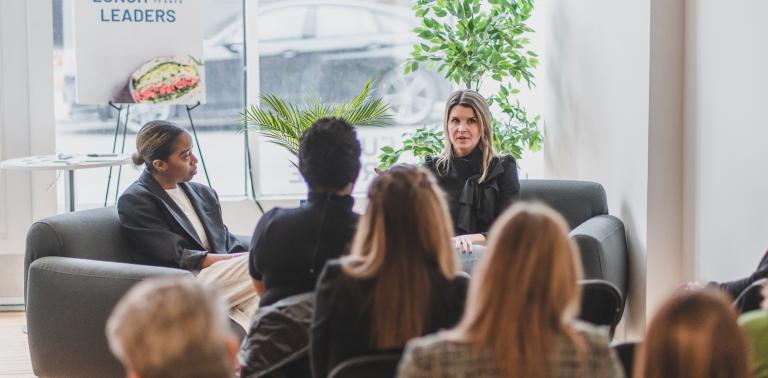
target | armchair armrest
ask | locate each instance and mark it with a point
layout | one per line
(603, 245)
(68, 303)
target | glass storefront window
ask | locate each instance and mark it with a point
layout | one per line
(91, 128)
(307, 50)
(340, 46)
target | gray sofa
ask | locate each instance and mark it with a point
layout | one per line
(78, 267)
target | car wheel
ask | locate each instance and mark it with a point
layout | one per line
(411, 98)
(141, 114)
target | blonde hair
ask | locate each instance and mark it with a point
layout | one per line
(525, 292)
(478, 104)
(171, 327)
(694, 334)
(404, 234)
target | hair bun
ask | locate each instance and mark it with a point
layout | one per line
(137, 158)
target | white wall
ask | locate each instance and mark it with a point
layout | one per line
(26, 128)
(726, 126)
(666, 265)
(595, 79)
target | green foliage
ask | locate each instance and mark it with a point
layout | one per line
(469, 42)
(283, 123)
(424, 142)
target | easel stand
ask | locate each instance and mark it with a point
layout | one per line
(127, 107)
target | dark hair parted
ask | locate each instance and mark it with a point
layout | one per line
(155, 141)
(329, 154)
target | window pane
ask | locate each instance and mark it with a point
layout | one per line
(282, 23)
(335, 21)
(91, 128)
(352, 42)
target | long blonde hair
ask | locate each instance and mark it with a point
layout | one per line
(525, 292)
(477, 102)
(404, 233)
(694, 334)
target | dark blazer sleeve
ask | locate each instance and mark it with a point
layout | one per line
(509, 185)
(151, 237)
(233, 243)
(325, 297)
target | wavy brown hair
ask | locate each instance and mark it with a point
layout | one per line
(476, 101)
(404, 234)
(694, 335)
(525, 292)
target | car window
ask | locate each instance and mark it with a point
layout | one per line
(333, 21)
(286, 23)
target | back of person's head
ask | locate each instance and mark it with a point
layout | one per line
(694, 334)
(172, 327)
(155, 141)
(329, 155)
(524, 290)
(404, 233)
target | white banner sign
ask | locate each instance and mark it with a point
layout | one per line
(139, 51)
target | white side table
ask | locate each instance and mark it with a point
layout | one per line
(54, 162)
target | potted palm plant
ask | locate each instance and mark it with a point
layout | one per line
(283, 123)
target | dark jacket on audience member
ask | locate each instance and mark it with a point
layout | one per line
(290, 246)
(277, 344)
(473, 205)
(160, 234)
(341, 327)
(734, 288)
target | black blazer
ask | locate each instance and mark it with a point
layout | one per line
(474, 205)
(341, 326)
(160, 234)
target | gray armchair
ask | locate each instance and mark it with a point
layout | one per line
(77, 268)
(600, 236)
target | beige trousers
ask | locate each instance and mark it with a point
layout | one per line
(231, 279)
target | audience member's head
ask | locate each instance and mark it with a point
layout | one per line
(172, 327)
(404, 234)
(524, 290)
(329, 155)
(694, 334)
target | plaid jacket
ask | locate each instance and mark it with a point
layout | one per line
(434, 356)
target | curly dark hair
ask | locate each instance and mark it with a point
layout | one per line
(329, 154)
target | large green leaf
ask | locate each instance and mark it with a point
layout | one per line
(283, 123)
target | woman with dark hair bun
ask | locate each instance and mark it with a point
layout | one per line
(170, 221)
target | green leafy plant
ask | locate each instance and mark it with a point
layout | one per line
(469, 43)
(283, 123)
(424, 142)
